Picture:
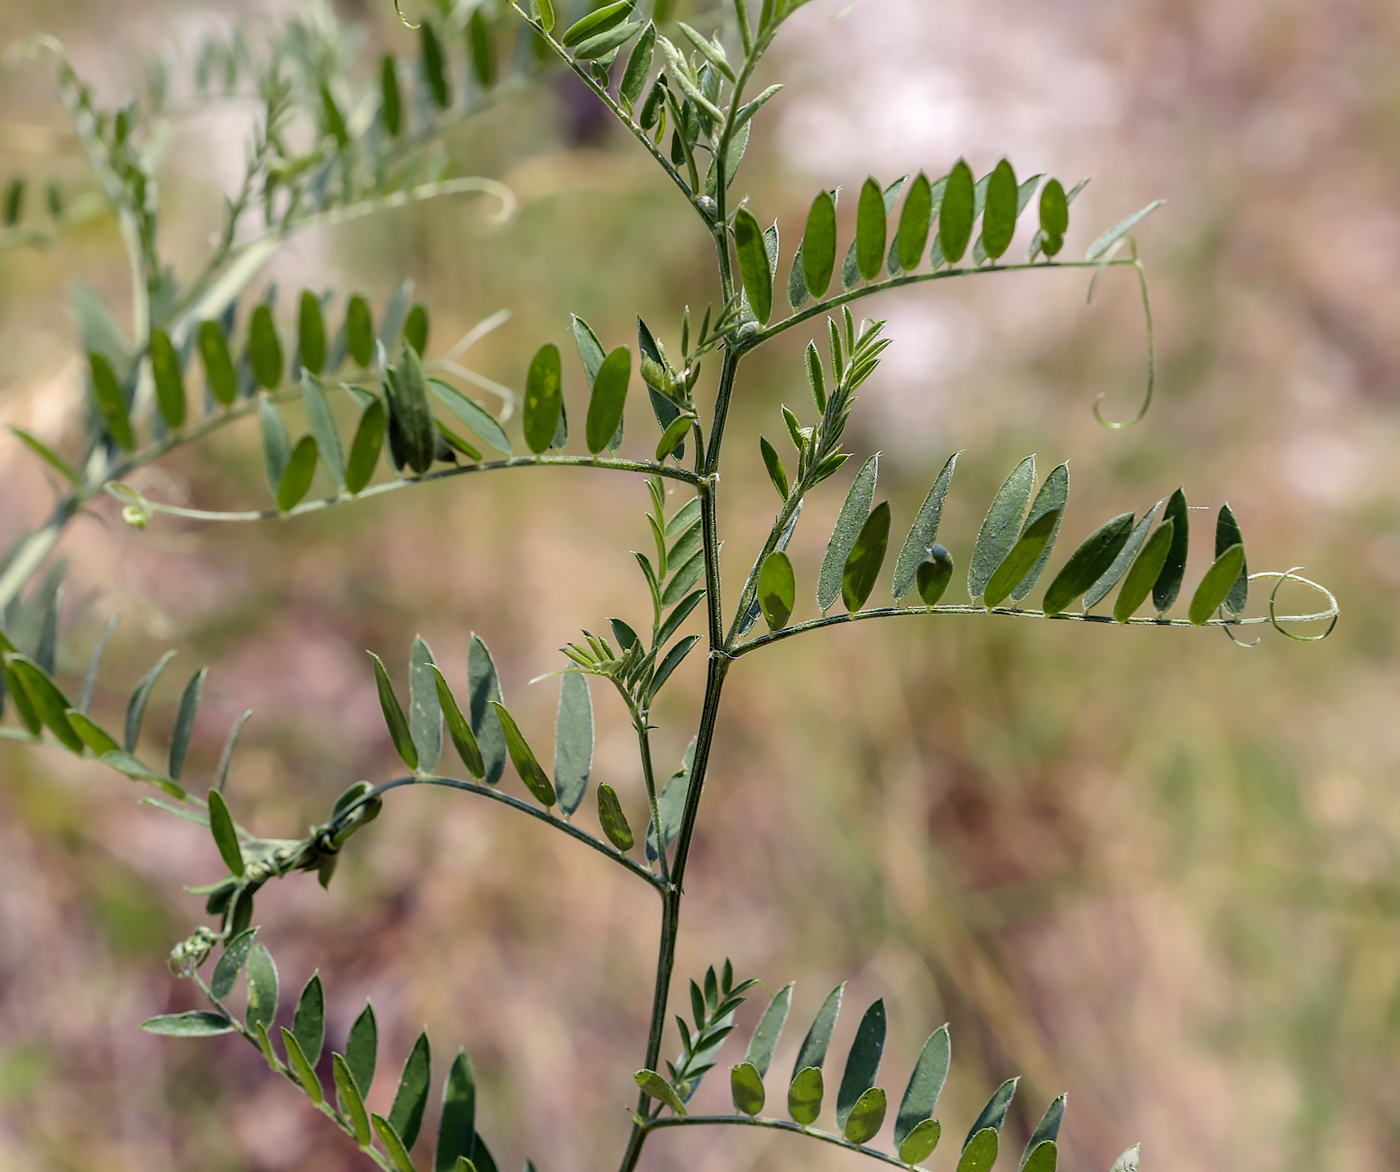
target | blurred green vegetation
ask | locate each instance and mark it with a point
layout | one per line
(1144, 866)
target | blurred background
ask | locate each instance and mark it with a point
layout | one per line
(1147, 867)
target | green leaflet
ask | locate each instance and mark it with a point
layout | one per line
(1127, 1162)
(608, 399)
(359, 327)
(198, 1023)
(410, 417)
(1227, 533)
(918, 1145)
(797, 282)
(573, 742)
(819, 244)
(424, 708)
(311, 333)
(388, 1133)
(1000, 527)
(483, 687)
(1145, 571)
(923, 533)
(870, 230)
(262, 987)
(523, 758)
(23, 707)
(543, 397)
(956, 214)
(472, 414)
(231, 963)
(1168, 584)
(1047, 1131)
(352, 1103)
(769, 1030)
(590, 350)
(1042, 1158)
(658, 1088)
(1101, 246)
(136, 706)
(49, 703)
(914, 222)
(546, 11)
(980, 1153)
(439, 85)
(365, 448)
(1054, 217)
(746, 1088)
(867, 555)
(391, 109)
(184, 723)
(671, 662)
(596, 22)
(94, 737)
(862, 1065)
(754, 269)
(463, 739)
(813, 1051)
(1053, 494)
(111, 402)
(777, 590)
(634, 76)
(225, 836)
(264, 349)
(849, 523)
(170, 386)
(1100, 589)
(1029, 548)
(999, 214)
(333, 119)
(361, 1049)
(805, 1095)
(483, 55)
(925, 1086)
(457, 1123)
(393, 715)
(1215, 587)
(415, 329)
(46, 453)
(776, 472)
(406, 1116)
(1088, 563)
(613, 820)
(866, 1117)
(297, 475)
(309, 1021)
(607, 42)
(322, 423)
(276, 443)
(669, 444)
(933, 575)
(994, 1113)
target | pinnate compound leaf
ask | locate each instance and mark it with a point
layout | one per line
(393, 715)
(224, 834)
(302, 1067)
(754, 268)
(362, 1049)
(659, 1089)
(1001, 527)
(819, 244)
(1105, 242)
(264, 348)
(231, 963)
(1146, 570)
(925, 1086)
(956, 213)
(867, 555)
(111, 402)
(866, 1117)
(999, 214)
(1088, 563)
(309, 1021)
(352, 1103)
(770, 1029)
(412, 1096)
(1227, 533)
(1047, 1130)
(813, 1051)
(862, 1065)
(170, 387)
(457, 1124)
(870, 230)
(424, 708)
(390, 1138)
(918, 1145)
(854, 513)
(1024, 554)
(980, 1152)
(1168, 584)
(573, 742)
(805, 1095)
(613, 820)
(923, 534)
(609, 396)
(262, 988)
(777, 590)
(523, 758)
(746, 1088)
(1215, 587)
(543, 397)
(297, 475)
(218, 365)
(198, 1023)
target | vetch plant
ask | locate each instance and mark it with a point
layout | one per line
(688, 100)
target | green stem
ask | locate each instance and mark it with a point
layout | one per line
(773, 1125)
(649, 776)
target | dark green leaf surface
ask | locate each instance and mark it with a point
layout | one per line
(198, 1023)
(671, 662)
(362, 1049)
(980, 1153)
(170, 386)
(225, 836)
(956, 213)
(923, 534)
(309, 1021)
(412, 1096)
(819, 244)
(605, 406)
(472, 413)
(634, 76)
(1215, 587)
(457, 1123)
(393, 1143)
(523, 758)
(613, 820)
(352, 1103)
(918, 1145)
(925, 1086)
(48, 702)
(1001, 527)
(482, 52)
(994, 1113)
(1024, 554)
(424, 709)
(867, 555)
(805, 1095)
(543, 397)
(777, 590)
(862, 1065)
(391, 107)
(850, 521)
(914, 222)
(364, 450)
(230, 964)
(1110, 578)
(746, 1088)
(111, 402)
(573, 742)
(1053, 494)
(394, 716)
(1044, 1157)
(439, 86)
(184, 722)
(866, 1117)
(933, 575)
(1088, 562)
(596, 22)
(262, 988)
(1227, 533)
(359, 331)
(322, 424)
(1168, 584)
(769, 1030)
(813, 1051)
(409, 413)
(264, 348)
(1145, 571)
(218, 365)
(870, 230)
(276, 443)
(415, 329)
(776, 472)
(999, 214)
(1054, 217)
(311, 334)
(297, 475)
(754, 269)
(1047, 1130)
(460, 730)
(483, 687)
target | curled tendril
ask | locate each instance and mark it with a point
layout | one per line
(403, 18)
(1151, 344)
(138, 510)
(1333, 611)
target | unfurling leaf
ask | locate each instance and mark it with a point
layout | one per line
(776, 589)
(746, 1088)
(1215, 587)
(613, 820)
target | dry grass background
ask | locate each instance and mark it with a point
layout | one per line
(1146, 867)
